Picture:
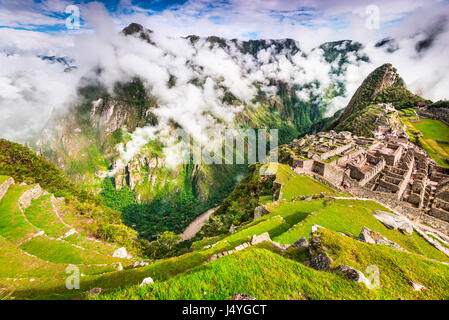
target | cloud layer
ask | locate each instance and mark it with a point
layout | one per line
(31, 88)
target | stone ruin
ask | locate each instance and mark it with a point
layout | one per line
(391, 166)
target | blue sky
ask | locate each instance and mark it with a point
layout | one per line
(303, 20)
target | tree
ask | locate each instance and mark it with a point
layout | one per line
(168, 239)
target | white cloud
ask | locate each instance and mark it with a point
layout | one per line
(32, 89)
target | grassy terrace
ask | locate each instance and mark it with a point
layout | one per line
(303, 185)
(257, 272)
(260, 272)
(283, 172)
(81, 239)
(435, 136)
(63, 252)
(31, 277)
(3, 179)
(349, 217)
(13, 225)
(40, 213)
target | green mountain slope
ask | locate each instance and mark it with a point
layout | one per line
(383, 85)
(24, 166)
(84, 143)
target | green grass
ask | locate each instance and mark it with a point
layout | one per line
(396, 268)
(63, 252)
(266, 275)
(436, 136)
(265, 199)
(3, 179)
(293, 212)
(13, 225)
(349, 217)
(199, 245)
(257, 272)
(17, 269)
(302, 185)
(282, 171)
(80, 239)
(435, 139)
(274, 226)
(40, 213)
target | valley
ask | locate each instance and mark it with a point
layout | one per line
(233, 166)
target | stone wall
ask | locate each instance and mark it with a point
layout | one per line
(406, 180)
(356, 172)
(337, 150)
(31, 194)
(414, 214)
(5, 186)
(439, 213)
(348, 156)
(306, 165)
(373, 172)
(334, 175)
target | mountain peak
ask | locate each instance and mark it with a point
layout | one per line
(380, 79)
(382, 87)
(139, 30)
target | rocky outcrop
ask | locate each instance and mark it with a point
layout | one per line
(242, 296)
(140, 264)
(260, 211)
(373, 237)
(31, 194)
(260, 238)
(5, 186)
(321, 262)
(353, 274)
(301, 243)
(121, 253)
(147, 281)
(394, 221)
(94, 292)
(416, 286)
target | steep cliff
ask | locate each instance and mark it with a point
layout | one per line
(383, 85)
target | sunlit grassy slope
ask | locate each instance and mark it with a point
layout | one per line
(263, 270)
(305, 186)
(435, 135)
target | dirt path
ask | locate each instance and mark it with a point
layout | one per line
(196, 224)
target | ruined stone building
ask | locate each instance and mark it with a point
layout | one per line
(392, 166)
